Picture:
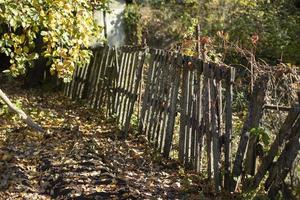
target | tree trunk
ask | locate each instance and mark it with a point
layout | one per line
(22, 114)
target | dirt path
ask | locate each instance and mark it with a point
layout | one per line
(81, 157)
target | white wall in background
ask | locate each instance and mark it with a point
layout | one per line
(114, 22)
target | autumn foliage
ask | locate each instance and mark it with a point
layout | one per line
(59, 30)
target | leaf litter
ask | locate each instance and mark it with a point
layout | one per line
(82, 156)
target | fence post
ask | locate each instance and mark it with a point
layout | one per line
(256, 103)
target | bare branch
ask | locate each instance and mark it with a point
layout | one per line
(21, 113)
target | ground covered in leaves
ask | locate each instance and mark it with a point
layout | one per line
(81, 156)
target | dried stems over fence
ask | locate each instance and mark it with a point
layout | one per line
(184, 91)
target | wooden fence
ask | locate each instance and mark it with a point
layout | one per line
(186, 107)
(110, 81)
(174, 85)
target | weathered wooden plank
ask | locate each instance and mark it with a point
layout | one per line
(228, 128)
(214, 132)
(277, 107)
(69, 88)
(188, 120)
(279, 171)
(283, 134)
(255, 113)
(198, 123)
(207, 119)
(194, 119)
(125, 86)
(90, 72)
(220, 125)
(183, 109)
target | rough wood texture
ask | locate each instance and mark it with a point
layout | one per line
(207, 119)
(279, 171)
(283, 134)
(228, 128)
(183, 100)
(214, 132)
(254, 116)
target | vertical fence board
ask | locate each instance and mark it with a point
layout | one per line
(228, 127)
(188, 118)
(183, 113)
(207, 119)
(214, 132)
